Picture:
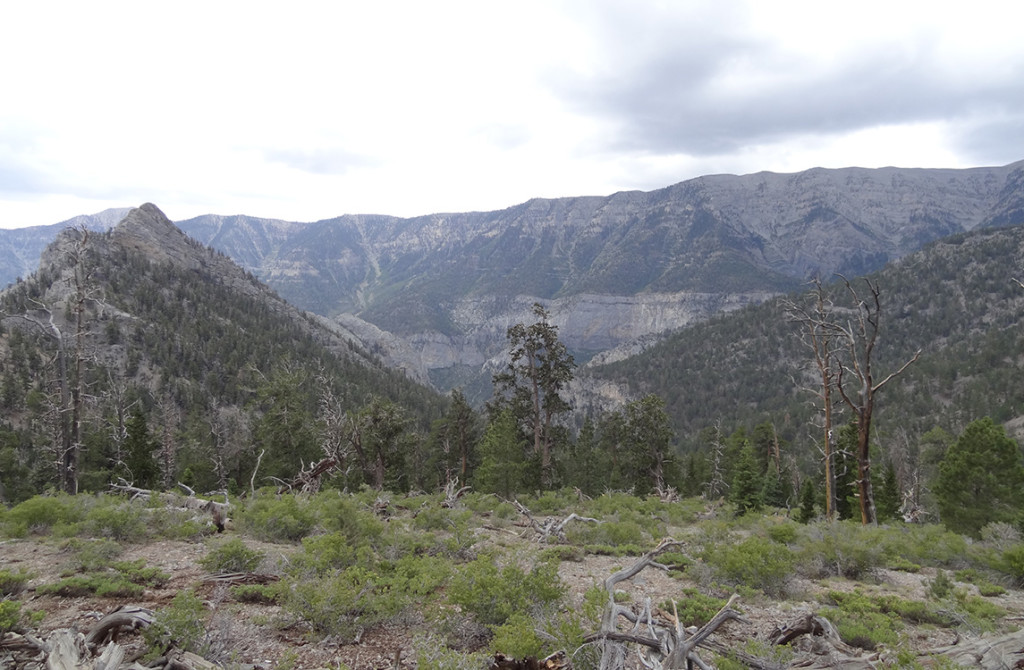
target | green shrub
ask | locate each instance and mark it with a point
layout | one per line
(755, 562)
(259, 594)
(609, 532)
(343, 603)
(783, 533)
(138, 572)
(119, 520)
(985, 586)
(13, 583)
(10, 615)
(103, 585)
(181, 624)
(860, 620)
(322, 554)
(695, 608)
(903, 565)
(979, 614)
(518, 637)
(232, 556)
(41, 513)
(941, 587)
(90, 555)
(492, 593)
(284, 519)
(842, 548)
(1011, 561)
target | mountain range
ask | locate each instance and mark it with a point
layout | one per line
(434, 294)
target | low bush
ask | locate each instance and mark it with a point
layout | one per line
(278, 519)
(181, 624)
(694, 608)
(493, 594)
(259, 594)
(12, 583)
(754, 562)
(103, 585)
(41, 513)
(231, 556)
(116, 519)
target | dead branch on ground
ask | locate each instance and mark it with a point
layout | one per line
(550, 526)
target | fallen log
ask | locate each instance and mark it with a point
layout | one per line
(128, 617)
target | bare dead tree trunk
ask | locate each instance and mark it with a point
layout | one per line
(819, 337)
(861, 337)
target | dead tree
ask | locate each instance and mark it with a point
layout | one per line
(819, 337)
(856, 383)
(660, 644)
(551, 526)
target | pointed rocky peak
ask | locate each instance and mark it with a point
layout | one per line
(146, 229)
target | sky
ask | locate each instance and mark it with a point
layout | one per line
(309, 110)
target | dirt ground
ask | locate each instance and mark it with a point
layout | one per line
(259, 636)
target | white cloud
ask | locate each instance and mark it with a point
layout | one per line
(314, 109)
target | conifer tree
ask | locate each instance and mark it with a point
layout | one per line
(807, 495)
(502, 468)
(140, 447)
(980, 479)
(747, 482)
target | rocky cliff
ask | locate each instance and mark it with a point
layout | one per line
(436, 292)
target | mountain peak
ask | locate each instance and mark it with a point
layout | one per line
(148, 230)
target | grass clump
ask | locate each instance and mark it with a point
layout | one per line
(694, 608)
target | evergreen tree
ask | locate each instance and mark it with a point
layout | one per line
(648, 437)
(139, 447)
(980, 479)
(807, 495)
(502, 468)
(747, 482)
(539, 369)
(887, 500)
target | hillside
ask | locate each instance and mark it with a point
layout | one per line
(179, 333)
(434, 294)
(955, 300)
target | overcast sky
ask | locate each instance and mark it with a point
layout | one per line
(309, 110)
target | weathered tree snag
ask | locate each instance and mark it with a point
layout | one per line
(663, 644)
(551, 526)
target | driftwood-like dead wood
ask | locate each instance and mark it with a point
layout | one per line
(309, 481)
(242, 578)
(555, 661)
(218, 511)
(550, 527)
(452, 492)
(662, 643)
(127, 617)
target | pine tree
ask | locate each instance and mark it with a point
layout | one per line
(140, 462)
(980, 479)
(807, 495)
(502, 467)
(747, 482)
(887, 500)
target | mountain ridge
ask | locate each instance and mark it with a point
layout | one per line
(614, 270)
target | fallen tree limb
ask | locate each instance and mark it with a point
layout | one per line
(218, 511)
(128, 617)
(550, 526)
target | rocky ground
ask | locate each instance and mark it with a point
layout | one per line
(261, 636)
